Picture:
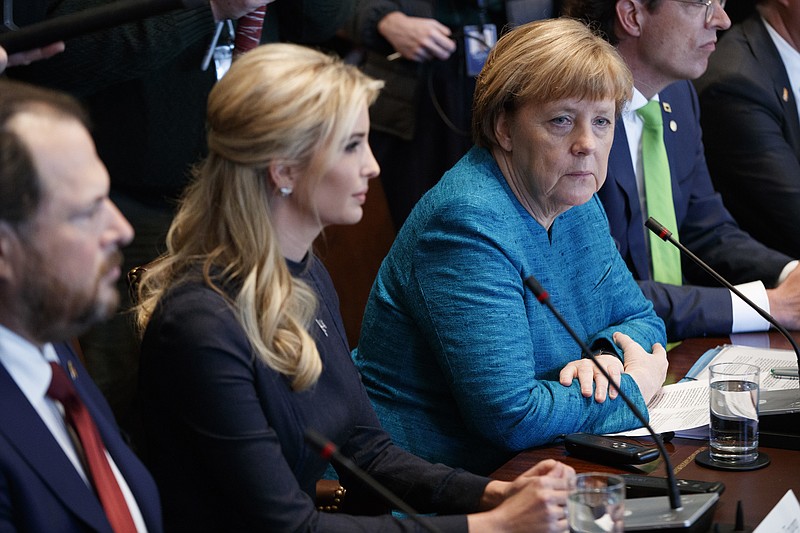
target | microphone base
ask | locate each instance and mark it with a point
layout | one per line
(655, 514)
(779, 431)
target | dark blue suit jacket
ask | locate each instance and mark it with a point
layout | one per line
(40, 490)
(752, 135)
(699, 307)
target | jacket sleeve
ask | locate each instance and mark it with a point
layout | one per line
(476, 316)
(424, 486)
(690, 310)
(97, 60)
(368, 14)
(311, 21)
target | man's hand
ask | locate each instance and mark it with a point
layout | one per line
(417, 38)
(784, 301)
(24, 58)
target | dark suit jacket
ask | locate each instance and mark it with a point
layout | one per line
(704, 226)
(40, 490)
(752, 135)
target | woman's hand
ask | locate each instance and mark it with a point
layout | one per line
(535, 502)
(591, 378)
(648, 370)
(417, 38)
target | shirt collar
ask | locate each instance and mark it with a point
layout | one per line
(637, 102)
(789, 56)
(28, 366)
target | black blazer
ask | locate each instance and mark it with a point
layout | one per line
(752, 135)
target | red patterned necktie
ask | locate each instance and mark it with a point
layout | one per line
(103, 479)
(248, 31)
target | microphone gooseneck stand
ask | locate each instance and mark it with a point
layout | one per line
(88, 20)
(776, 430)
(692, 512)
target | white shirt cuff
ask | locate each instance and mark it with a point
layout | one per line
(745, 318)
(791, 265)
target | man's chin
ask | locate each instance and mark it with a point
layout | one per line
(106, 308)
(102, 310)
(96, 315)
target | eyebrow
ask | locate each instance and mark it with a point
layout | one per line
(85, 207)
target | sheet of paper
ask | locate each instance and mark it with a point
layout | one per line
(679, 407)
(764, 358)
(783, 518)
(683, 407)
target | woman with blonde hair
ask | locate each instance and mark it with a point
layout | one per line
(243, 347)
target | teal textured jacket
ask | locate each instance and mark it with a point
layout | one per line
(459, 358)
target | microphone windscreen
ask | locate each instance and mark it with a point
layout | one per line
(658, 228)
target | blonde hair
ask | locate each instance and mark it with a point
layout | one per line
(279, 102)
(545, 61)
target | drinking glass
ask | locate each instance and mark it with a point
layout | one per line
(733, 434)
(596, 503)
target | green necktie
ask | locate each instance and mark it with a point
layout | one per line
(666, 258)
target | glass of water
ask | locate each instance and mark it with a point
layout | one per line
(733, 434)
(596, 503)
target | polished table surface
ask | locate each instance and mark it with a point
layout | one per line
(758, 490)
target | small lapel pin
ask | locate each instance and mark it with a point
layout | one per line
(72, 372)
(667, 108)
(673, 125)
(785, 94)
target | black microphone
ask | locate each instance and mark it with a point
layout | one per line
(689, 512)
(779, 410)
(328, 450)
(666, 235)
(89, 20)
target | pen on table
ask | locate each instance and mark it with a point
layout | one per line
(784, 372)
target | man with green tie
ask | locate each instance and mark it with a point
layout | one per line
(657, 168)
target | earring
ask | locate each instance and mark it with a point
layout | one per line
(285, 191)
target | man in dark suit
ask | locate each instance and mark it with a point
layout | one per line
(665, 43)
(749, 100)
(60, 237)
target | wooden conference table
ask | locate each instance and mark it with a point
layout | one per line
(758, 490)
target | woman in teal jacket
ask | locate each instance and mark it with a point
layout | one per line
(462, 363)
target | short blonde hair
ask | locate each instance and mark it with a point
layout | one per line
(542, 62)
(278, 102)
